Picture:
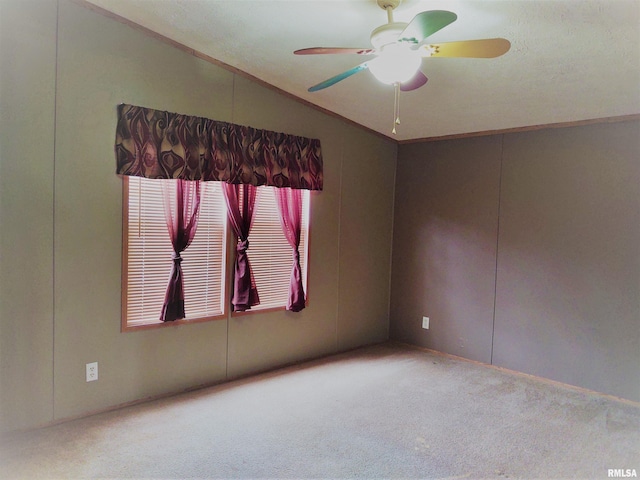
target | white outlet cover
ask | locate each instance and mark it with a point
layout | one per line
(425, 323)
(92, 372)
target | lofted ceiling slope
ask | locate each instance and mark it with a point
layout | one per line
(570, 60)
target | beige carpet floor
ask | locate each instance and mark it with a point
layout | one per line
(387, 411)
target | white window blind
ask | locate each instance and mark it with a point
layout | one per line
(148, 254)
(270, 254)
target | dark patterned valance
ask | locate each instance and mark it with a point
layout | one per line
(156, 144)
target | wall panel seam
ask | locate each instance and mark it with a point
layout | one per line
(53, 217)
(495, 279)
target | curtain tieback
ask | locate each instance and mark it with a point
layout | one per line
(177, 259)
(242, 246)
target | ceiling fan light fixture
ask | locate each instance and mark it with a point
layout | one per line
(396, 63)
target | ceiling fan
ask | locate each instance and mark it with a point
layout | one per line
(399, 48)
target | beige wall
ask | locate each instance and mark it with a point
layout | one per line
(27, 110)
(445, 245)
(60, 297)
(524, 250)
(568, 284)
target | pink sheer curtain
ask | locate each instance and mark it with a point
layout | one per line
(240, 213)
(181, 216)
(290, 206)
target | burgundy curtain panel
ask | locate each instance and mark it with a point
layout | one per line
(181, 215)
(240, 202)
(290, 206)
(157, 144)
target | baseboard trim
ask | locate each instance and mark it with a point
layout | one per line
(195, 388)
(548, 381)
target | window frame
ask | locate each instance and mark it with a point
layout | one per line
(304, 256)
(229, 257)
(125, 325)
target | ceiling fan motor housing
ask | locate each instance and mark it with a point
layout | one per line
(386, 34)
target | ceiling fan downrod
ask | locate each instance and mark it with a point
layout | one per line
(389, 6)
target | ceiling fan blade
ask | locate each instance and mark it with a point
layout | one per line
(418, 80)
(339, 77)
(331, 50)
(425, 24)
(486, 48)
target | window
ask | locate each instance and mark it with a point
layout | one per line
(269, 252)
(147, 254)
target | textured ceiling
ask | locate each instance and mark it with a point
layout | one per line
(570, 60)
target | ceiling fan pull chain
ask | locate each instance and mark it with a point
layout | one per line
(396, 107)
(397, 121)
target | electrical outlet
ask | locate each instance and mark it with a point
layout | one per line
(92, 372)
(425, 323)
